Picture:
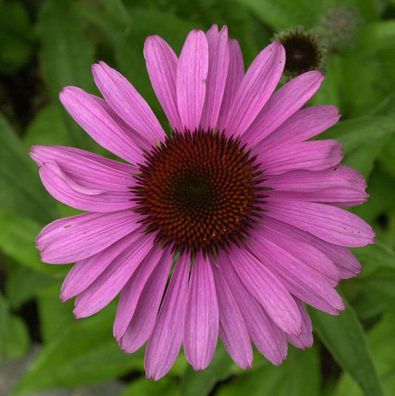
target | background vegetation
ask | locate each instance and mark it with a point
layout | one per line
(47, 44)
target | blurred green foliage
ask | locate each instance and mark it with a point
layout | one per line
(47, 44)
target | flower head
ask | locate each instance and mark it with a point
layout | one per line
(226, 227)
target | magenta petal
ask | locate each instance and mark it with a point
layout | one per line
(127, 103)
(161, 64)
(256, 88)
(303, 125)
(70, 192)
(79, 237)
(110, 282)
(298, 278)
(304, 340)
(285, 102)
(218, 49)
(267, 337)
(165, 341)
(192, 79)
(91, 115)
(144, 318)
(233, 81)
(85, 272)
(202, 317)
(85, 168)
(131, 292)
(313, 156)
(268, 290)
(329, 223)
(233, 329)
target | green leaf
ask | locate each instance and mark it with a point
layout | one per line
(17, 240)
(20, 189)
(297, 376)
(362, 139)
(344, 337)
(384, 358)
(81, 354)
(199, 383)
(47, 128)
(167, 386)
(67, 55)
(282, 14)
(14, 339)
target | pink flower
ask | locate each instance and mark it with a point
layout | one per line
(227, 227)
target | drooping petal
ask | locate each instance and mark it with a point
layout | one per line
(266, 336)
(131, 292)
(144, 318)
(165, 341)
(202, 317)
(68, 191)
(161, 62)
(305, 251)
(303, 125)
(111, 281)
(91, 115)
(313, 156)
(233, 330)
(127, 103)
(346, 263)
(78, 237)
(191, 80)
(233, 81)
(256, 88)
(218, 50)
(268, 290)
(302, 281)
(329, 223)
(85, 168)
(85, 272)
(285, 102)
(304, 340)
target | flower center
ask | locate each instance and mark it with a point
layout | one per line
(198, 191)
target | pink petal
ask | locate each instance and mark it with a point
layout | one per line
(256, 88)
(268, 290)
(304, 340)
(165, 341)
(347, 265)
(131, 292)
(285, 102)
(298, 278)
(85, 272)
(70, 192)
(202, 317)
(303, 250)
(144, 318)
(233, 329)
(85, 168)
(329, 223)
(218, 50)
(78, 237)
(191, 79)
(161, 64)
(110, 282)
(233, 81)
(303, 125)
(91, 115)
(127, 103)
(313, 156)
(266, 336)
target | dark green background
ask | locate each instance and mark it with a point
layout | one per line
(45, 45)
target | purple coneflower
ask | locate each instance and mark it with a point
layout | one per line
(227, 227)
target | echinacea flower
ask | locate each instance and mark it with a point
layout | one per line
(226, 227)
